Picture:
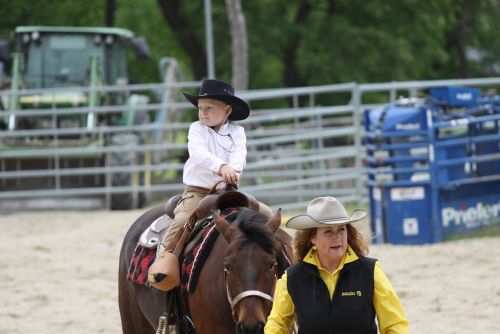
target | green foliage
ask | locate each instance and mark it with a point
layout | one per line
(131, 14)
(299, 43)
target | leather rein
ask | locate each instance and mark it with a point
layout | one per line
(248, 293)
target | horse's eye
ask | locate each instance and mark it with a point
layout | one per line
(272, 266)
(227, 269)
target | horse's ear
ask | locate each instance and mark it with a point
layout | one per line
(274, 222)
(225, 228)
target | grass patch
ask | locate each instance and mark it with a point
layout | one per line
(489, 231)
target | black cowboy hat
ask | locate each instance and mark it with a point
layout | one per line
(222, 91)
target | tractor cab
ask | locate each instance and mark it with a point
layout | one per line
(67, 56)
(72, 62)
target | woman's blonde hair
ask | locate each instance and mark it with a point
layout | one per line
(302, 242)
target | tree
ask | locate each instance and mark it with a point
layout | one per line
(185, 34)
(293, 43)
(239, 44)
(110, 13)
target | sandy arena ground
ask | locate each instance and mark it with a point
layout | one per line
(58, 274)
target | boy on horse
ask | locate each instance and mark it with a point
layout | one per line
(217, 153)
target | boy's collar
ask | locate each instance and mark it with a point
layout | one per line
(222, 129)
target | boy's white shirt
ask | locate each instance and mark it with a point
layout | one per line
(207, 155)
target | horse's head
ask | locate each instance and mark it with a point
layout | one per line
(250, 267)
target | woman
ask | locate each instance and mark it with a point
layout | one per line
(333, 288)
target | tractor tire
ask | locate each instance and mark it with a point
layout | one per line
(131, 199)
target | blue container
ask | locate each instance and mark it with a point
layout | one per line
(450, 159)
(489, 145)
(399, 187)
(409, 217)
(455, 96)
(433, 175)
(394, 137)
(377, 218)
(396, 119)
(401, 215)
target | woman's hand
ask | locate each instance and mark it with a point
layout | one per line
(229, 174)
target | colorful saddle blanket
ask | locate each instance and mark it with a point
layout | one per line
(195, 259)
(192, 262)
(142, 258)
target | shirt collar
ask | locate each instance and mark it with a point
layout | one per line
(312, 258)
(224, 129)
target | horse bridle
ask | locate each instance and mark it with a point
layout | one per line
(247, 293)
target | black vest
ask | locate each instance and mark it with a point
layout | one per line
(351, 310)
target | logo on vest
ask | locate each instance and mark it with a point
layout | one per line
(356, 293)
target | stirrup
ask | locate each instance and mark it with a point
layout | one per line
(165, 326)
(162, 325)
(164, 273)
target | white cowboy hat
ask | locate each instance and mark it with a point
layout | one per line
(322, 212)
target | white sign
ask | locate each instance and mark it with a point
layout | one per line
(464, 96)
(407, 194)
(410, 226)
(408, 126)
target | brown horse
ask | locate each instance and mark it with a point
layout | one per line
(236, 284)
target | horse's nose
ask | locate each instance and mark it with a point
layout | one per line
(258, 328)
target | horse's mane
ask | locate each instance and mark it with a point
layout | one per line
(253, 228)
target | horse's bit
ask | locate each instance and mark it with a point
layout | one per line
(234, 301)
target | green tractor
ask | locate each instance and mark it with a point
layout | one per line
(54, 98)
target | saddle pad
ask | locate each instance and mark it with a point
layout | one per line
(194, 260)
(142, 258)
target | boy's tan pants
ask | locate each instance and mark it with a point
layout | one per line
(184, 209)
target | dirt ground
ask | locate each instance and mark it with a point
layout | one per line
(58, 274)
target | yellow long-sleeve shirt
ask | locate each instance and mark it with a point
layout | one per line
(390, 314)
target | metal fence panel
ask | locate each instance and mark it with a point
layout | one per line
(297, 149)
